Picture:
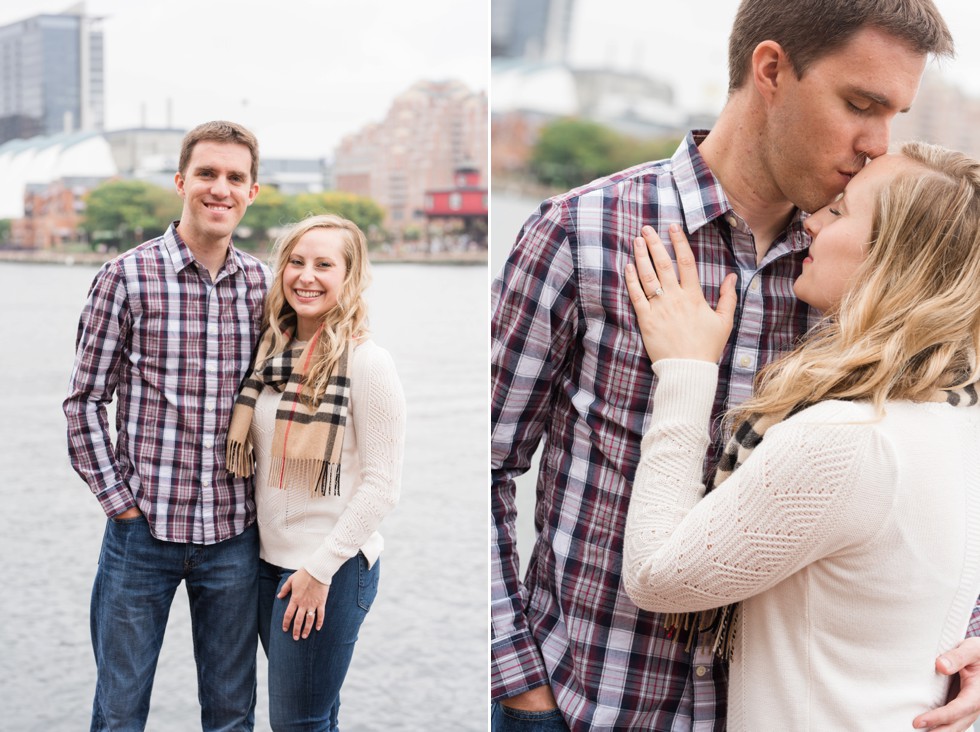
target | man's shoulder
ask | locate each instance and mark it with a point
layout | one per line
(138, 255)
(611, 203)
(249, 260)
(628, 183)
(256, 271)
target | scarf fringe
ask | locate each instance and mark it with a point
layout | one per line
(723, 621)
(239, 459)
(307, 443)
(314, 476)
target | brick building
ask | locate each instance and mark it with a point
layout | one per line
(430, 131)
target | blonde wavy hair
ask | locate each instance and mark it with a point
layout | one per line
(912, 325)
(347, 320)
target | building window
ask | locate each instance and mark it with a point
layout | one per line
(455, 201)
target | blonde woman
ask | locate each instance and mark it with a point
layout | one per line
(320, 421)
(847, 519)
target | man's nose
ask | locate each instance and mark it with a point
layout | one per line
(220, 186)
(874, 141)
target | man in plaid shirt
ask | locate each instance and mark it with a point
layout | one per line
(168, 330)
(813, 87)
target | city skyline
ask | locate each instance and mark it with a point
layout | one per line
(301, 78)
(686, 44)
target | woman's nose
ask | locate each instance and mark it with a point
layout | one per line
(811, 225)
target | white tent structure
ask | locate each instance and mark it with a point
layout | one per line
(41, 160)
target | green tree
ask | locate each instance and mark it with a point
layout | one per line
(571, 152)
(273, 210)
(632, 151)
(363, 211)
(269, 211)
(122, 213)
(4, 231)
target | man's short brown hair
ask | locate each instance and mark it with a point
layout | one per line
(811, 29)
(219, 131)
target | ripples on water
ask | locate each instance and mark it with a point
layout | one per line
(421, 662)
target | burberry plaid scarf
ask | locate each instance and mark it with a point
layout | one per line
(308, 440)
(724, 621)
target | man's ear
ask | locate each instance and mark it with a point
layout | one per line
(179, 182)
(769, 61)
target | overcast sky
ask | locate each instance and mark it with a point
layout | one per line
(685, 42)
(303, 73)
(300, 73)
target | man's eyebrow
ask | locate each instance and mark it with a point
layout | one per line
(204, 168)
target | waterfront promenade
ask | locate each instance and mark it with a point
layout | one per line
(73, 256)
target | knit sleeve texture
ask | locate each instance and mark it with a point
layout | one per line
(379, 424)
(812, 487)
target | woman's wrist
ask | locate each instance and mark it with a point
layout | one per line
(685, 389)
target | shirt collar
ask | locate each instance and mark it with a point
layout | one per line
(181, 255)
(702, 198)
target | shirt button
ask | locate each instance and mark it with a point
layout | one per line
(745, 362)
(208, 444)
(205, 483)
(732, 221)
(700, 671)
(755, 285)
(212, 329)
(209, 407)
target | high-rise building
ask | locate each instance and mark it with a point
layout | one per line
(430, 131)
(534, 30)
(51, 77)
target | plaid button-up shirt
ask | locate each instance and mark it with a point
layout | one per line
(172, 347)
(569, 368)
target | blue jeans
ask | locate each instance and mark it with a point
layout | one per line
(505, 719)
(131, 599)
(305, 676)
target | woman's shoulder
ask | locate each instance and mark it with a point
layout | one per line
(835, 411)
(844, 426)
(368, 357)
(853, 427)
(367, 349)
(832, 412)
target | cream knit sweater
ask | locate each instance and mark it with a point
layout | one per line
(853, 542)
(320, 533)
